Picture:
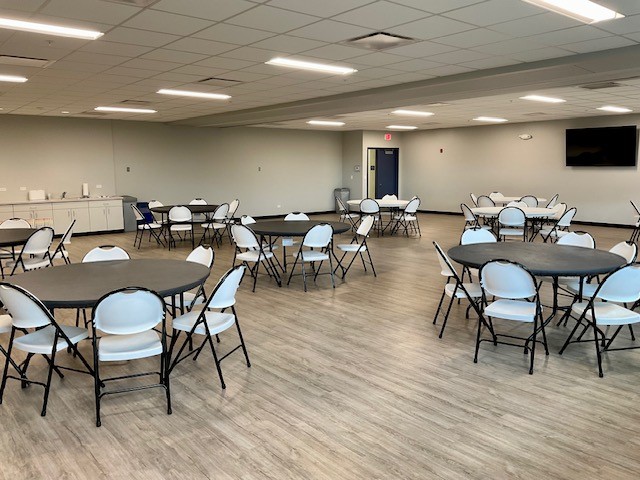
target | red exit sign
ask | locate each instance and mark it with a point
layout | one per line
(387, 137)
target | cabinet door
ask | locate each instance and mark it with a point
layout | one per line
(83, 221)
(115, 221)
(6, 212)
(22, 211)
(98, 219)
(61, 220)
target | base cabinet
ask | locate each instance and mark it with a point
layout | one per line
(106, 215)
(65, 213)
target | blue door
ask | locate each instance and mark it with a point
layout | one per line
(386, 171)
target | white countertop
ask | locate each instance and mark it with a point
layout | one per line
(60, 200)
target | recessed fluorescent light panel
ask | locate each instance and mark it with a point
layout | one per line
(49, 29)
(400, 127)
(12, 78)
(542, 98)
(325, 123)
(582, 10)
(189, 93)
(611, 108)
(491, 119)
(412, 113)
(124, 110)
(317, 67)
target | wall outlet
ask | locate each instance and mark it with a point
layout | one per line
(23, 189)
(259, 169)
(2, 189)
(98, 186)
(128, 169)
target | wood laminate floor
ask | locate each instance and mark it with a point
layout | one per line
(351, 383)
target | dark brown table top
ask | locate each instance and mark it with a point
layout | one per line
(81, 285)
(542, 259)
(294, 228)
(164, 210)
(10, 237)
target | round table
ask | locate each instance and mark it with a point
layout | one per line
(11, 237)
(529, 212)
(505, 200)
(542, 259)
(292, 228)
(81, 285)
(194, 209)
(382, 203)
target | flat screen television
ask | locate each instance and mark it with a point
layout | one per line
(602, 147)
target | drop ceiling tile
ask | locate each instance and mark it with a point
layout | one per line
(431, 27)
(415, 65)
(437, 6)
(224, 32)
(410, 77)
(249, 53)
(493, 11)
(421, 49)
(88, 57)
(288, 44)
(380, 15)
(272, 19)
(23, 5)
(378, 59)
(146, 64)
(509, 47)
(198, 45)
(201, 72)
(490, 62)
(154, 20)
(569, 35)
(206, 9)
(224, 63)
(627, 7)
(114, 48)
(599, 44)
(330, 31)
(90, 10)
(335, 52)
(459, 56)
(473, 38)
(535, 24)
(448, 70)
(166, 55)
(133, 72)
(139, 37)
(622, 25)
(79, 67)
(325, 8)
(376, 73)
(540, 54)
(244, 76)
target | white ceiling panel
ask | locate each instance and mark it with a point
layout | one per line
(535, 24)
(431, 27)
(198, 45)
(90, 10)
(324, 8)
(272, 19)
(330, 31)
(206, 9)
(599, 44)
(380, 15)
(23, 5)
(437, 6)
(114, 48)
(226, 33)
(288, 44)
(421, 49)
(473, 38)
(181, 58)
(139, 37)
(335, 52)
(167, 23)
(494, 11)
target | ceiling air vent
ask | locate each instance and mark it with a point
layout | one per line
(141, 103)
(25, 61)
(134, 3)
(600, 85)
(219, 82)
(379, 41)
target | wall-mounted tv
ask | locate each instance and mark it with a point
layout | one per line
(602, 147)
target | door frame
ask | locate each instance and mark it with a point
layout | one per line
(368, 167)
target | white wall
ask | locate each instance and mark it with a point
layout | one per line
(352, 156)
(488, 158)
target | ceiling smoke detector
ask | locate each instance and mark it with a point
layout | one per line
(379, 41)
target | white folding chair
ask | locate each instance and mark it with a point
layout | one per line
(346, 216)
(10, 254)
(471, 236)
(369, 206)
(208, 323)
(217, 225)
(144, 225)
(560, 228)
(530, 200)
(204, 256)
(474, 199)
(358, 246)
(635, 234)
(35, 253)
(60, 250)
(484, 201)
(517, 300)
(199, 217)
(105, 253)
(180, 220)
(553, 201)
(289, 241)
(513, 223)
(47, 338)
(250, 250)
(124, 328)
(408, 218)
(456, 290)
(318, 237)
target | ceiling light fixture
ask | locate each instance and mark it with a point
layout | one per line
(325, 123)
(64, 112)
(400, 127)
(490, 119)
(124, 110)
(188, 93)
(49, 29)
(317, 67)
(611, 108)
(582, 10)
(12, 78)
(541, 98)
(414, 113)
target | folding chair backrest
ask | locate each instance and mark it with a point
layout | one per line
(484, 201)
(474, 199)
(553, 201)
(138, 214)
(66, 237)
(221, 212)
(233, 208)
(295, 217)
(567, 217)
(104, 253)
(25, 309)
(412, 206)
(469, 216)
(244, 237)
(506, 279)
(128, 311)
(180, 213)
(511, 217)
(247, 220)
(446, 267)
(224, 293)
(627, 250)
(390, 197)
(369, 206)
(365, 226)
(530, 200)
(577, 239)
(622, 285)
(15, 223)
(517, 203)
(477, 235)
(198, 201)
(39, 242)
(155, 203)
(495, 195)
(318, 236)
(559, 210)
(202, 255)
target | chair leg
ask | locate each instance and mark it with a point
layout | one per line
(215, 359)
(435, 318)
(5, 372)
(598, 352)
(49, 375)
(446, 317)
(244, 348)
(96, 382)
